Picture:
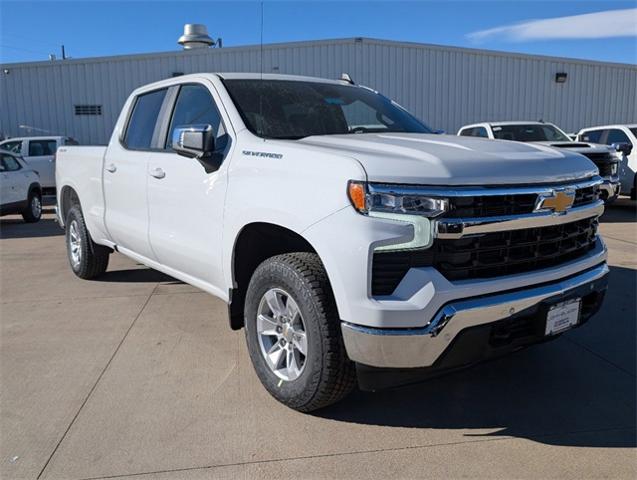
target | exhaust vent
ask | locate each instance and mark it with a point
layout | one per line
(195, 36)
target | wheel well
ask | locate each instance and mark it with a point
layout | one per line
(35, 187)
(257, 242)
(69, 198)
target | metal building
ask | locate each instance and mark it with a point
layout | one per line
(444, 86)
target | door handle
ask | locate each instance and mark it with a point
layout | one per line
(157, 173)
(111, 168)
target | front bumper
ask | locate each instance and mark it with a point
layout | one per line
(610, 189)
(423, 347)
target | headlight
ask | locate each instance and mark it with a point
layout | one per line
(402, 204)
(371, 197)
(613, 169)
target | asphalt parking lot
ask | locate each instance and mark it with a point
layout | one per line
(137, 375)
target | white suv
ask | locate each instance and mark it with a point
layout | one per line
(39, 153)
(20, 190)
(624, 137)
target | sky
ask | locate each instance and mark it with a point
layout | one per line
(595, 30)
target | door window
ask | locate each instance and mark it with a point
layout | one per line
(143, 120)
(195, 106)
(14, 147)
(10, 164)
(42, 148)
(616, 136)
(474, 132)
(593, 136)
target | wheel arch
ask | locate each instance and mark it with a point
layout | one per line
(255, 243)
(68, 198)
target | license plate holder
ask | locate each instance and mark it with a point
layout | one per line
(562, 316)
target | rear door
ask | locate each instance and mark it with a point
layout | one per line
(126, 175)
(186, 203)
(40, 155)
(12, 182)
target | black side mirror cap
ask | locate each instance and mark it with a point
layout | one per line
(625, 148)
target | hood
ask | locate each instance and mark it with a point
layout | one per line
(451, 160)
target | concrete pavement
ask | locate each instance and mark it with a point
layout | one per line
(136, 375)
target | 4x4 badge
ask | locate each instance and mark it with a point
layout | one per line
(559, 201)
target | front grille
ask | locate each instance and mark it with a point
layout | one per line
(491, 206)
(603, 161)
(489, 255)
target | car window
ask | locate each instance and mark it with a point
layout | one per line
(593, 136)
(14, 147)
(41, 148)
(529, 133)
(475, 132)
(195, 106)
(616, 136)
(70, 141)
(141, 124)
(10, 164)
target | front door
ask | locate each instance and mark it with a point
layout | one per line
(10, 184)
(40, 155)
(126, 176)
(185, 202)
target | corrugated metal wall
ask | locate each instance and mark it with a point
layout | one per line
(444, 86)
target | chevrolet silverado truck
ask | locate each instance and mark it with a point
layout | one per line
(351, 244)
(545, 133)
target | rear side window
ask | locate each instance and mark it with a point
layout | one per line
(616, 136)
(42, 148)
(474, 132)
(10, 164)
(194, 106)
(141, 124)
(14, 147)
(592, 136)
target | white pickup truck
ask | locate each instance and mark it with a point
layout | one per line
(350, 242)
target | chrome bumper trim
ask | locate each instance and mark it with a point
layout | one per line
(453, 228)
(421, 347)
(610, 188)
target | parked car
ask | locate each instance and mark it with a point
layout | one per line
(39, 153)
(549, 134)
(624, 140)
(351, 242)
(20, 190)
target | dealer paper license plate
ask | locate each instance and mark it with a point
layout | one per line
(562, 316)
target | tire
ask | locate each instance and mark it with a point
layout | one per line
(326, 373)
(33, 210)
(87, 259)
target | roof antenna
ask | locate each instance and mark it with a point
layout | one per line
(346, 78)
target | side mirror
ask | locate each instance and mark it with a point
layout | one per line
(624, 148)
(196, 141)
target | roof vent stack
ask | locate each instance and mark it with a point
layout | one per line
(195, 36)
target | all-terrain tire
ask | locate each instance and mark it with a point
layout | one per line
(87, 259)
(328, 374)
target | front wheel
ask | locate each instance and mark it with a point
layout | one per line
(293, 333)
(88, 259)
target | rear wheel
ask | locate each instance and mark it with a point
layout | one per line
(293, 333)
(33, 210)
(88, 260)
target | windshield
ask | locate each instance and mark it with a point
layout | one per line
(293, 109)
(529, 133)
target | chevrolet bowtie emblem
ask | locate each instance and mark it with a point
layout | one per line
(558, 201)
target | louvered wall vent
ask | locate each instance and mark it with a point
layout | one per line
(88, 109)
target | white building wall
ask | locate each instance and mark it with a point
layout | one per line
(444, 86)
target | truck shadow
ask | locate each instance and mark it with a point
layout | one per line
(622, 210)
(579, 390)
(137, 275)
(15, 227)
